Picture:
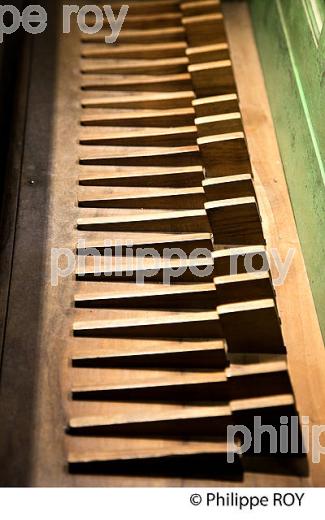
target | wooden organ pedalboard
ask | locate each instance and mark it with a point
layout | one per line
(154, 373)
(162, 141)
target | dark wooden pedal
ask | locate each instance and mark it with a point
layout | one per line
(273, 412)
(137, 82)
(174, 271)
(220, 188)
(194, 8)
(191, 354)
(134, 50)
(235, 221)
(135, 66)
(258, 380)
(163, 100)
(185, 296)
(145, 118)
(142, 22)
(186, 325)
(225, 154)
(213, 78)
(173, 157)
(171, 387)
(216, 105)
(219, 124)
(179, 177)
(187, 422)
(252, 326)
(204, 29)
(176, 136)
(243, 259)
(244, 287)
(188, 242)
(206, 53)
(138, 7)
(153, 458)
(172, 221)
(150, 198)
(170, 34)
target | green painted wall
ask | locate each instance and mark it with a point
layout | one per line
(290, 36)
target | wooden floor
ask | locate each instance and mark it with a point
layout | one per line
(36, 371)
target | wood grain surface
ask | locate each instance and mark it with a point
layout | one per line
(98, 380)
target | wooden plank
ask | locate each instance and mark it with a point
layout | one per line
(134, 50)
(151, 267)
(225, 154)
(186, 421)
(145, 118)
(235, 221)
(219, 124)
(177, 221)
(176, 156)
(188, 325)
(176, 136)
(164, 386)
(241, 406)
(159, 354)
(252, 327)
(84, 348)
(204, 464)
(137, 82)
(270, 410)
(135, 66)
(161, 100)
(189, 296)
(199, 8)
(146, 8)
(204, 29)
(243, 287)
(184, 177)
(188, 242)
(241, 259)
(258, 380)
(102, 379)
(171, 34)
(216, 105)
(206, 53)
(219, 188)
(161, 198)
(212, 78)
(104, 449)
(144, 21)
